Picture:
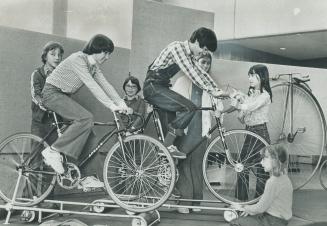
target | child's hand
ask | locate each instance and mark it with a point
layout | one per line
(233, 102)
(218, 93)
(149, 108)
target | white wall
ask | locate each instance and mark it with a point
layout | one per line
(261, 17)
(84, 18)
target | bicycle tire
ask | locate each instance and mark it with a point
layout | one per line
(137, 178)
(323, 174)
(306, 149)
(34, 185)
(221, 176)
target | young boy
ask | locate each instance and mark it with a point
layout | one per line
(178, 110)
(80, 68)
(41, 121)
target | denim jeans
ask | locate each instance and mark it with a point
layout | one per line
(74, 138)
(176, 109)
(242, 185)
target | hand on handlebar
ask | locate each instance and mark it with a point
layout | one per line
(218, 93)
(124, 110)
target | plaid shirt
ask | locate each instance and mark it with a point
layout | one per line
(79, 69)
(179, 53)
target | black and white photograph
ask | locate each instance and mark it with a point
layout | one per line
(163, 112)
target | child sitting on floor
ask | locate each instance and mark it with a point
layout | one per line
(275, 205)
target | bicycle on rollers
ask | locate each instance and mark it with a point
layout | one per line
(26, 180)
(296, 121)
(223, 159)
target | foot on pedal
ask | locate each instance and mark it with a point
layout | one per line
(176, 153)
(90, 183)
(54, 159)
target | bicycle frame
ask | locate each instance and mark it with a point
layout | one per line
(218, 125)
(101, 142)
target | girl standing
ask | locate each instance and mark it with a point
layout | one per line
(253, 112)
(275, 205)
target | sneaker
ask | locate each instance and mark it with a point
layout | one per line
(196, 209)
(183, 210)
(54, 159)
(90, 182)
(175, 153)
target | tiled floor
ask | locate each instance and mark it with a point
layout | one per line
(309, 206)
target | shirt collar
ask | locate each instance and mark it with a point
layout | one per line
(134, 98)
(91, 60)
(187, 47)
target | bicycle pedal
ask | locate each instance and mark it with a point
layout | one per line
(301, 130)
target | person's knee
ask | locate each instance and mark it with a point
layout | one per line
(87, 120)
(190, 107)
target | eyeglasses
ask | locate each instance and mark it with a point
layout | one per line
(131, 86)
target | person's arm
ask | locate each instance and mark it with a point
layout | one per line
(109, 89)
(197, 75)
(260, 101)
(80, 67)
(36, 87)
(264, 202)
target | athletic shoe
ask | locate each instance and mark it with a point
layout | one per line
(54, 159)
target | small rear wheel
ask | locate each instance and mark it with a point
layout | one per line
(28, 216)
(99, 207)
(140, 176)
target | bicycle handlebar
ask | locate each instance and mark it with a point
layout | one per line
(276, 77)
(130, 122)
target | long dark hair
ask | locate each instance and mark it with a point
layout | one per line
(263, 73)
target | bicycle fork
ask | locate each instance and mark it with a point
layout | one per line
(289, 100)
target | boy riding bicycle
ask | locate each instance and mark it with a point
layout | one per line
(80, 68)
(178, 111)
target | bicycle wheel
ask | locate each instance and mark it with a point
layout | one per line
(235, 175)
(141, 176)
(28, 175)
(305, 149)
(323, 175)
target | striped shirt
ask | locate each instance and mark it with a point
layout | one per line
(179, 53)
(81, 69)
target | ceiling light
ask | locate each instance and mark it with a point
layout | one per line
(296, 11)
